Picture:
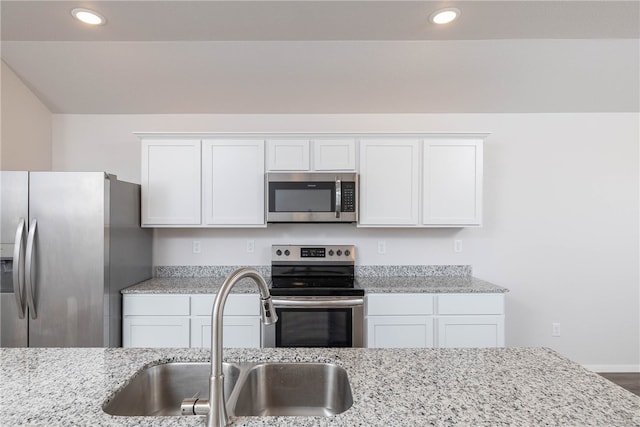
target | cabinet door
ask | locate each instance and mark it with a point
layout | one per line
(170, 178)
(233, 180)
(389, 181)
(237, 332)
(399, 332)
(334, 154)
(148, 331)
(471, 331)
(452, 187)
(288, 155)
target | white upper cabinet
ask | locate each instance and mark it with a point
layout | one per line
(170, 182)
(389, 181)
(421, 181)
(218, 179)
(306, 155)
(233, 181)
(288, 155)
(452, 182)
(334, 154)
(194, 183)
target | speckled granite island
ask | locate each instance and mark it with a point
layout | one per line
(439, 387)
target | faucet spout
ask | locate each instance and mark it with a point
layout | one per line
(217, 415)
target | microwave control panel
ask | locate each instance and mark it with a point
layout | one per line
(348, 197)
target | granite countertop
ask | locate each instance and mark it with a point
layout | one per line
(189, 285)
(371, 278)
(391, 387)
(416, 284)
(388, 284)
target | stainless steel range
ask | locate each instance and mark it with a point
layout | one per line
(315, 298)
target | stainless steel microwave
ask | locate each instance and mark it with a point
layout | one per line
(312, 197)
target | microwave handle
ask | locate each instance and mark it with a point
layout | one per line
(338, 197)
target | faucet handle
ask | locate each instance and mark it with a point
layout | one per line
(194, 406)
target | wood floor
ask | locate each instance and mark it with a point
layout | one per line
(629, 381)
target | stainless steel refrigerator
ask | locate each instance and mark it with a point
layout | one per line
(70, 241)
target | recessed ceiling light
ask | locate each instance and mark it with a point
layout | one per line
(88, 16)
(444, 16)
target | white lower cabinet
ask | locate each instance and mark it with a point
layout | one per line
(470, 320)
(241, 321)
(399, 321)
(237, 332)
(156, 331)
(185, 321)
(435, 320)
(471, 331)
(400, 332)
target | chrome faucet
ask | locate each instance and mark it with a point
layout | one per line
(215, 407)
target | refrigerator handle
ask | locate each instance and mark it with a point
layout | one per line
(18, 267)
(29, 267)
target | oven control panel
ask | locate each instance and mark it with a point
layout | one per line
(313, 253)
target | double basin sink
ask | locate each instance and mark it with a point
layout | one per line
(251, 389)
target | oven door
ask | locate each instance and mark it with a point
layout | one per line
(316, 322)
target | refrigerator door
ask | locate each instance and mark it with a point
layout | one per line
(130, 252)
(68, 258)
(14, 206)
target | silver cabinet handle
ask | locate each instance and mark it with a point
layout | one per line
(28, 265)
(308, 303)
(338, 197)
(18, 267)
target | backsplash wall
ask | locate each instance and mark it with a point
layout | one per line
(229, 246)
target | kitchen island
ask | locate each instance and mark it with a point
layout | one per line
(391, 387)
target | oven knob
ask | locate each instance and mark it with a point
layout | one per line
(330, 252)
(286, 252)
(347, 252)
(339, 252)
(278, 252)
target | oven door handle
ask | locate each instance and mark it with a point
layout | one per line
(310, 303)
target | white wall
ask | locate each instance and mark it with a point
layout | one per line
(561, 215)
(26, 126)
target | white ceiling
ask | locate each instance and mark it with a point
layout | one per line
(311, 56)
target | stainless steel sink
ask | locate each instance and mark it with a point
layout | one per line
(297, 389)
(250, 389)
(159, 390)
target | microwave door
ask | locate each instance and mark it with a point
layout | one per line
(312, 197)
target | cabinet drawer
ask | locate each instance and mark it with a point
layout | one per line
(471, 304)
(399, 304)
(155, 305)
(236, 305)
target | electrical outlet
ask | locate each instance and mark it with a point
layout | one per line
(251, 246)
(196, 246)
(555, 329)
(457, 246)
(382, 247)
